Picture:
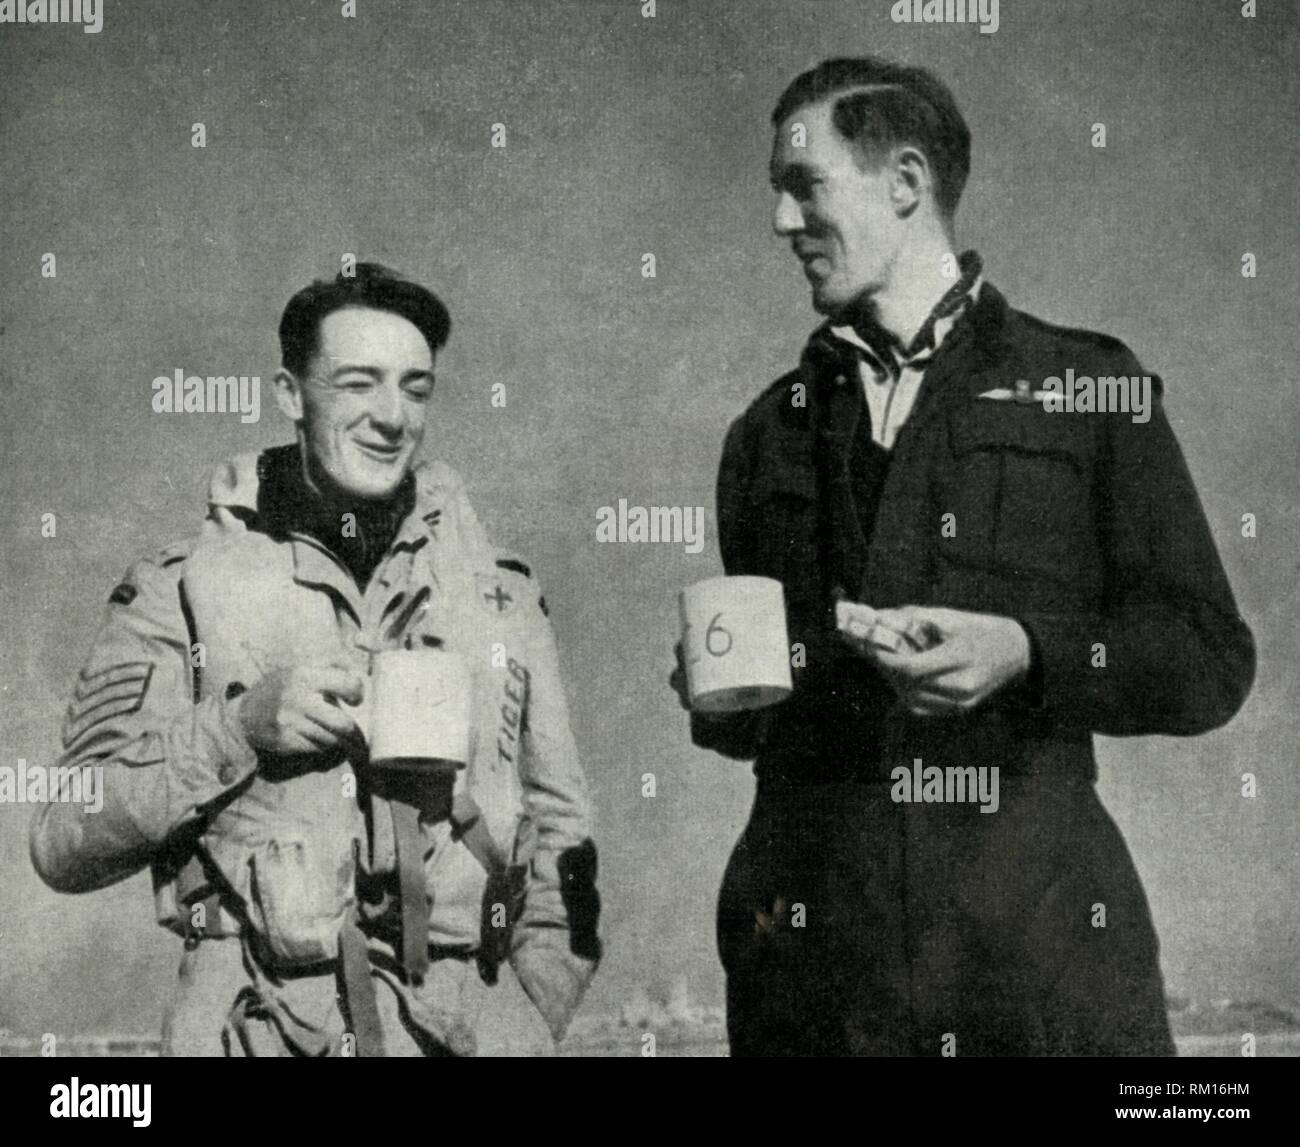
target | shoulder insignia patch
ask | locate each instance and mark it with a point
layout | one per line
(492, 594)
(123, 594)
(99, 697)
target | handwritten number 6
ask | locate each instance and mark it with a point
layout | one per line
(714, 627)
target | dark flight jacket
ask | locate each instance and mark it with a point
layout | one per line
(1083, 527)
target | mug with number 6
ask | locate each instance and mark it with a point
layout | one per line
(735, 644)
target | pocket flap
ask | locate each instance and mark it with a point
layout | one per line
(988, 424)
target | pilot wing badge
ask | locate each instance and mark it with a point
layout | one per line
(1023, 392)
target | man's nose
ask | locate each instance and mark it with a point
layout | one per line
(386, 408)
(787, 217)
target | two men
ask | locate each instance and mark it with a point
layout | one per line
(1038, 576)
(325, 908)
(1045, 576)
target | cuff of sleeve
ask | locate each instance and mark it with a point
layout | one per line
(552, 976)
(1026, 693)
(735, 735)
(1062, 661)
(562, 899)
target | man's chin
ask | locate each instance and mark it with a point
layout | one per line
(831, 309)
(377, 491)
(827, 302)
(363, 486)
(840, 308)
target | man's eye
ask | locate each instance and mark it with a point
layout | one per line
(421, 393)
(356, 384)
(798, 186)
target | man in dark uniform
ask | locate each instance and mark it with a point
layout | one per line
(1037, 575)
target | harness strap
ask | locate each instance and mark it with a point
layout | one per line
(414, 902)
(505, 886)
(467, 821)
(359, 989)
(191, 884)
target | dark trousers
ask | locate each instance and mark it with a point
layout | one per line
(849, 924)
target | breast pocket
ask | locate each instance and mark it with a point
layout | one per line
(1019, 488)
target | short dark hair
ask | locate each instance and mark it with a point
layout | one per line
(887, 105)
(373, 286)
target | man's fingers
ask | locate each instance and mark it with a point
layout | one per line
(335, 681)
(910, 666)
(858, 641)
(867, 641)
(905, 626)
(335, 721)
(931, 707)
(952, 695)
(677, 681)
(898, 619)
(307, 736)
(939, 616)
(904, 618)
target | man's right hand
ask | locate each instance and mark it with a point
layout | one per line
(677, 679)
(295, 711)
(731, 734)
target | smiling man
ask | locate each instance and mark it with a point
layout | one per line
(975, 583)
(325, 909)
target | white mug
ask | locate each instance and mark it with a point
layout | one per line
(418, 709)
(736, 648)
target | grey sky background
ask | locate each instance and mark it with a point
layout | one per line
(625, 135)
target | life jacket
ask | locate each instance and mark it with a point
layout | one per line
(283, 855)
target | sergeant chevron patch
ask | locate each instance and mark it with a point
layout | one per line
(98, 697)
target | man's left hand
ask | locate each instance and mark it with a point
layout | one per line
(967, 657)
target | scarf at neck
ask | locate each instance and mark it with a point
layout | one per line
(886, 347)
(288, 505)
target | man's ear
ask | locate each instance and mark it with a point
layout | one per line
(912, 179)
(288, 394)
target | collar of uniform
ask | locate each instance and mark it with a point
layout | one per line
(979, 346)
(896, 362)
(884, 352)
(287, 502)
(237, 484)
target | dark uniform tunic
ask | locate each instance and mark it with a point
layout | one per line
(851, 924)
